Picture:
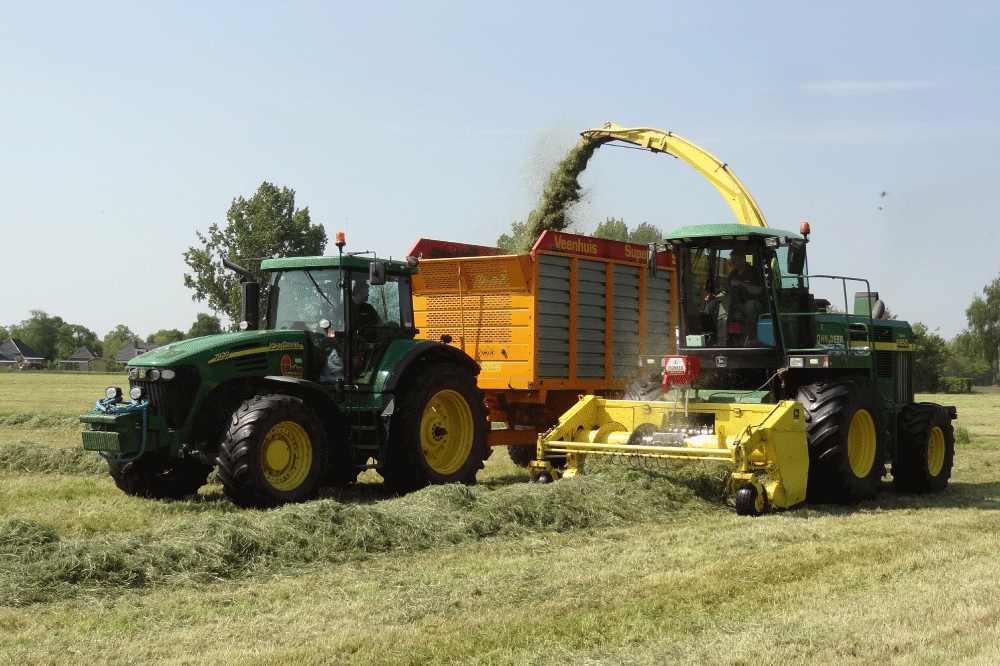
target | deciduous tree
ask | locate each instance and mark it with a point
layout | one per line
(265, 225)
(165, 337)
(206, 324)
(929, 359)
(116, 339)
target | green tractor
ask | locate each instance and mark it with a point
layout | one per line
(333, 384)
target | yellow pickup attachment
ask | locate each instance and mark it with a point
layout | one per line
(765, 444)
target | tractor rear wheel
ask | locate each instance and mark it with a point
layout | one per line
(925, 449)
(275, 452)
(438, 431)
(159, 476)
(845, 427)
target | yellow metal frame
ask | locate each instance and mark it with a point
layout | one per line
(716, 171)
(765, 444)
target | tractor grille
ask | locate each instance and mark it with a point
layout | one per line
(172, 399)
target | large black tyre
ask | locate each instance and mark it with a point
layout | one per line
(845, 427)
(275, 452)
(438, 431)
(522, 454)
(159, 476)
(925, 448)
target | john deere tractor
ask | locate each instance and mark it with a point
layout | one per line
(332, 384)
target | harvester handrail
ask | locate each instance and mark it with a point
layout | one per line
(849, 318)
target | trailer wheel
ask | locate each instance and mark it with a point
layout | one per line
(845, 427)
(438, 431)
(925, 449)
(156, 476)
(750, 502)
(275, 452)
(522, 454)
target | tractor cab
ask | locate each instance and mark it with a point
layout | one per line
(351, 308)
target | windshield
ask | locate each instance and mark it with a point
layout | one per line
(300, 299)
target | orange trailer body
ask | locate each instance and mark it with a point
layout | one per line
(576, 316)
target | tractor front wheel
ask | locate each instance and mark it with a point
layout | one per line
(845, 427)
(159, 476)
(438, 431)
(275, 452)
(925, 451)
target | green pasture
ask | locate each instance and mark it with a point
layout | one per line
(624, 566)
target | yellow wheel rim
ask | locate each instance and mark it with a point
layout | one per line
(286, 456)
(446, 432)
(935, 452)
(861, 444)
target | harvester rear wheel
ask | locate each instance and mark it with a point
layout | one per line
(925, 449)
(438, 431)
(158, 476)
(845, 426)
(275, 452)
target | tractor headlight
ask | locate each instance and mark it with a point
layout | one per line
(150, 374)
(114, 393)
(137, 393)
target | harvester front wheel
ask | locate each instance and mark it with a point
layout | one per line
(158, 476)
(438, 431)
(275, 452)
(749, 501)
(926, 449)
(845, 426)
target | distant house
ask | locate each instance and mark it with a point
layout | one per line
(133, 349)
(16, 354)
(86, 358)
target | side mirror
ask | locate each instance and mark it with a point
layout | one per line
(796, 257)
(376, 273)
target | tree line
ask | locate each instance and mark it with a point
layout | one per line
(55, 339)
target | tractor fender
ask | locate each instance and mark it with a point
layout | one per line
(423, 354)
(311, 392)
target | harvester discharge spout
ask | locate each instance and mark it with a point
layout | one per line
(715, 171)
(765, 444)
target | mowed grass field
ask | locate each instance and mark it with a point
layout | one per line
(622, 566)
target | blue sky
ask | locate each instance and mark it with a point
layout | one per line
(126, 127)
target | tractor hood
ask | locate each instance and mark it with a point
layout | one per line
(234, 353)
